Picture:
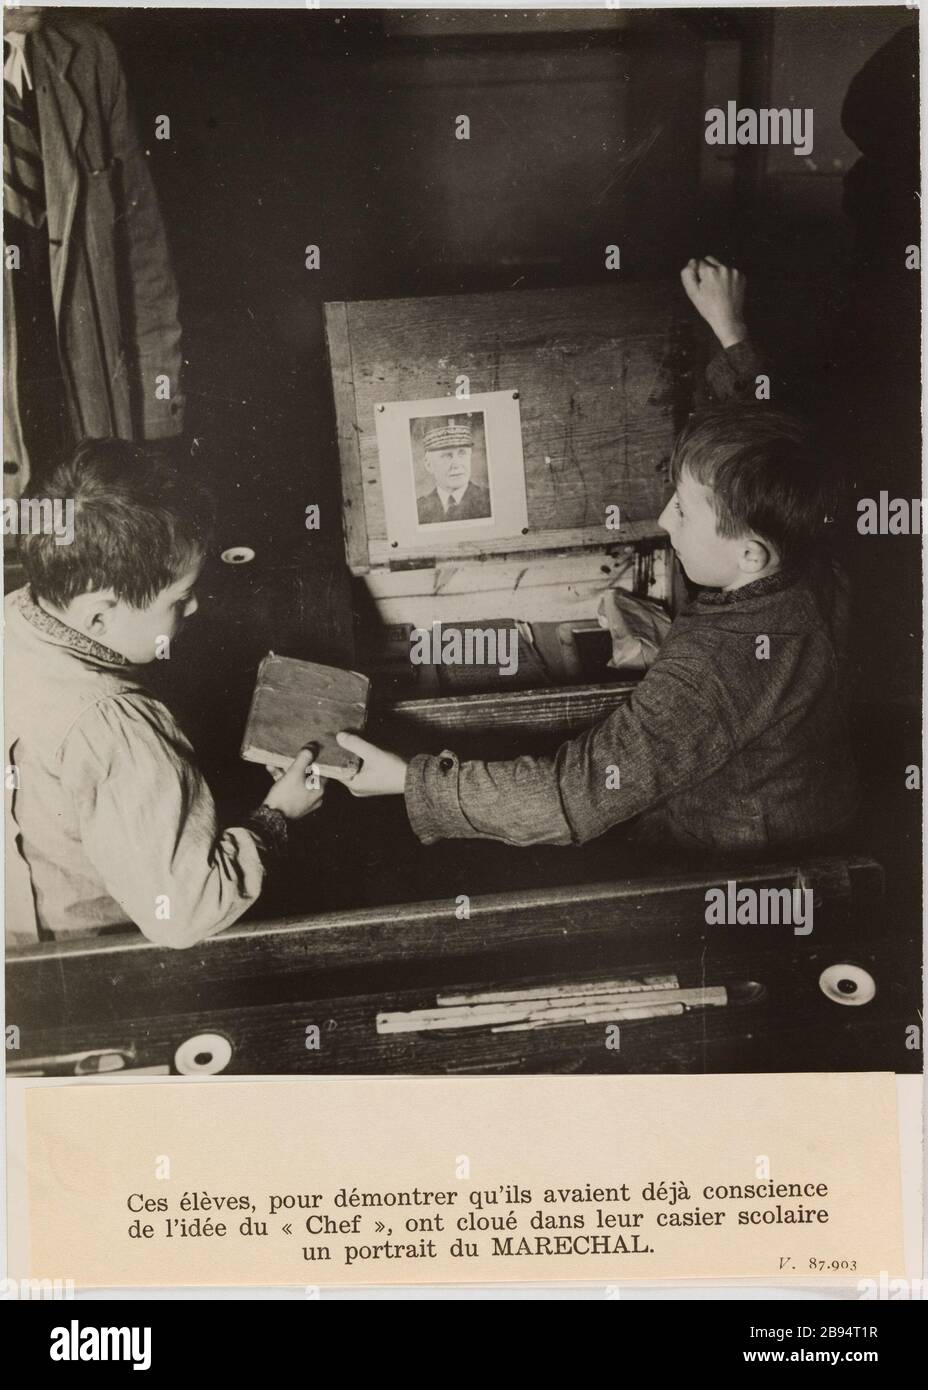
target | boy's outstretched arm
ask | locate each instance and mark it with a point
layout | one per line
(668, 736)
(433, 802)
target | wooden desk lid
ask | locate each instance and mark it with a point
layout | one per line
(600, 372)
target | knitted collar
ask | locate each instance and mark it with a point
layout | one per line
(770, 584)
(65, 636)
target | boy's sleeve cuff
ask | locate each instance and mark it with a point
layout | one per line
(732, 372)
(268, 828)
(433, 801)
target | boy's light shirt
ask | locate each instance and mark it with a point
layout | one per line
(117, 823)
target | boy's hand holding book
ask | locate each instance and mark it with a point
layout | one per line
(296, 710)
(380, 774)
(294, 794)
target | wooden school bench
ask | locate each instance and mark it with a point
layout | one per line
(388, 991)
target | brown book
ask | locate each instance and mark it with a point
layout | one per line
(300, 702)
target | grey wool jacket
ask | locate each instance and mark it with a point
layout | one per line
(715, 750)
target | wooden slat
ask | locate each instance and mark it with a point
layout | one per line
(529, 711)
(640, 569)
(564, 539)
(339, 346)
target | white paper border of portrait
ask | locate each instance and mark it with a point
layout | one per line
(503, 437)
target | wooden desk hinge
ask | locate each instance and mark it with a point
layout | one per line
(419, 563)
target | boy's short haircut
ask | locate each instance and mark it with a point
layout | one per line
(765, 475)
(139, 523)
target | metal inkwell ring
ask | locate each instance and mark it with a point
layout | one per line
(847, 984)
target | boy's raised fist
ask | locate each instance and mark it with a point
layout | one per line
(717, 292)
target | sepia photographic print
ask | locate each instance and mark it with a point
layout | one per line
(538, 391)
(445, 454)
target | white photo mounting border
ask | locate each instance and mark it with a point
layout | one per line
(483, 499)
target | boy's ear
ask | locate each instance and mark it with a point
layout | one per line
(756, 556)
(91, 612)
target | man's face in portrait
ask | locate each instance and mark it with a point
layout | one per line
(450, 468)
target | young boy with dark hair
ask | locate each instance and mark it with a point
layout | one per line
(110, 818)
(734, 742)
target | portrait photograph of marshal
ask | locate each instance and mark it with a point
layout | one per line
(451, 469)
